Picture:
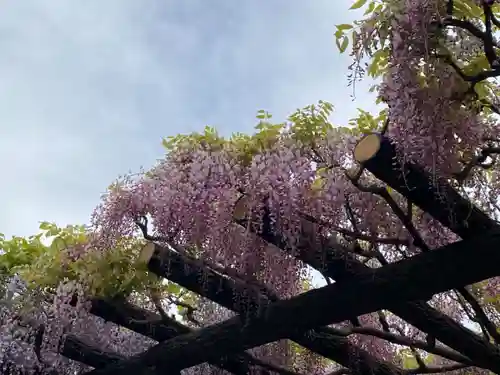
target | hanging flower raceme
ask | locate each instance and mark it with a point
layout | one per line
(189, 198)
(431, 120)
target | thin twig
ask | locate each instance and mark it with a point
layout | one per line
(481, 317)
(405, 341)
(436, 369)
(355, 235)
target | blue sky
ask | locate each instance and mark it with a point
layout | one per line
(89, 88)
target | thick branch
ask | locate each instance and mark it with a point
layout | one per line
(418, 241)
(227, 292)
(403, 340)
(453, 266)
(160, 329)
(444, 203)
(335, 261)
(77, 350)
(164, 328)
(436, 369)
(377, 154)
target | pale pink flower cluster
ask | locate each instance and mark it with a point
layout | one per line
(59, 317)
(374, 345)
(428, 121)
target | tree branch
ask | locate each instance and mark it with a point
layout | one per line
(356, 234)
(327, 305)
(405, 341)
(159, 328)
(436, 369)
(442, 202)
(335, 261)
(227, 292)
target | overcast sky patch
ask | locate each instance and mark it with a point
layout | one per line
(89, 88)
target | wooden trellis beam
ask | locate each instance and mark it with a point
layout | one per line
(378, 155)
(77, 350)
(158, 328)
(336, 261)
(209, 284)
(454, 265)
(152, 325)
(192, 275)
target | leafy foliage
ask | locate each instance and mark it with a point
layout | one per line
(56, 254)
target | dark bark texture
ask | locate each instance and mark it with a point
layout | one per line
(160, 329)
(452, 266)
(337, 262)
(443, 202)
(225, 291)
(77, 350)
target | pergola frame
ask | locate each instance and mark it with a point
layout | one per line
(402, 288)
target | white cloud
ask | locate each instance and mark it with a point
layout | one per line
(89, 88)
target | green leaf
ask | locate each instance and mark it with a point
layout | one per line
(317, 184)
(53, 232)
(57, 244)
(481, 90)
(370, 9)
(463, 9)
(45, 225)
(378, 63)
(358, 4)
(173, 288)
(343, 45)
(409, 361)
(344, 26)
(337, 42)
(322, 170)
